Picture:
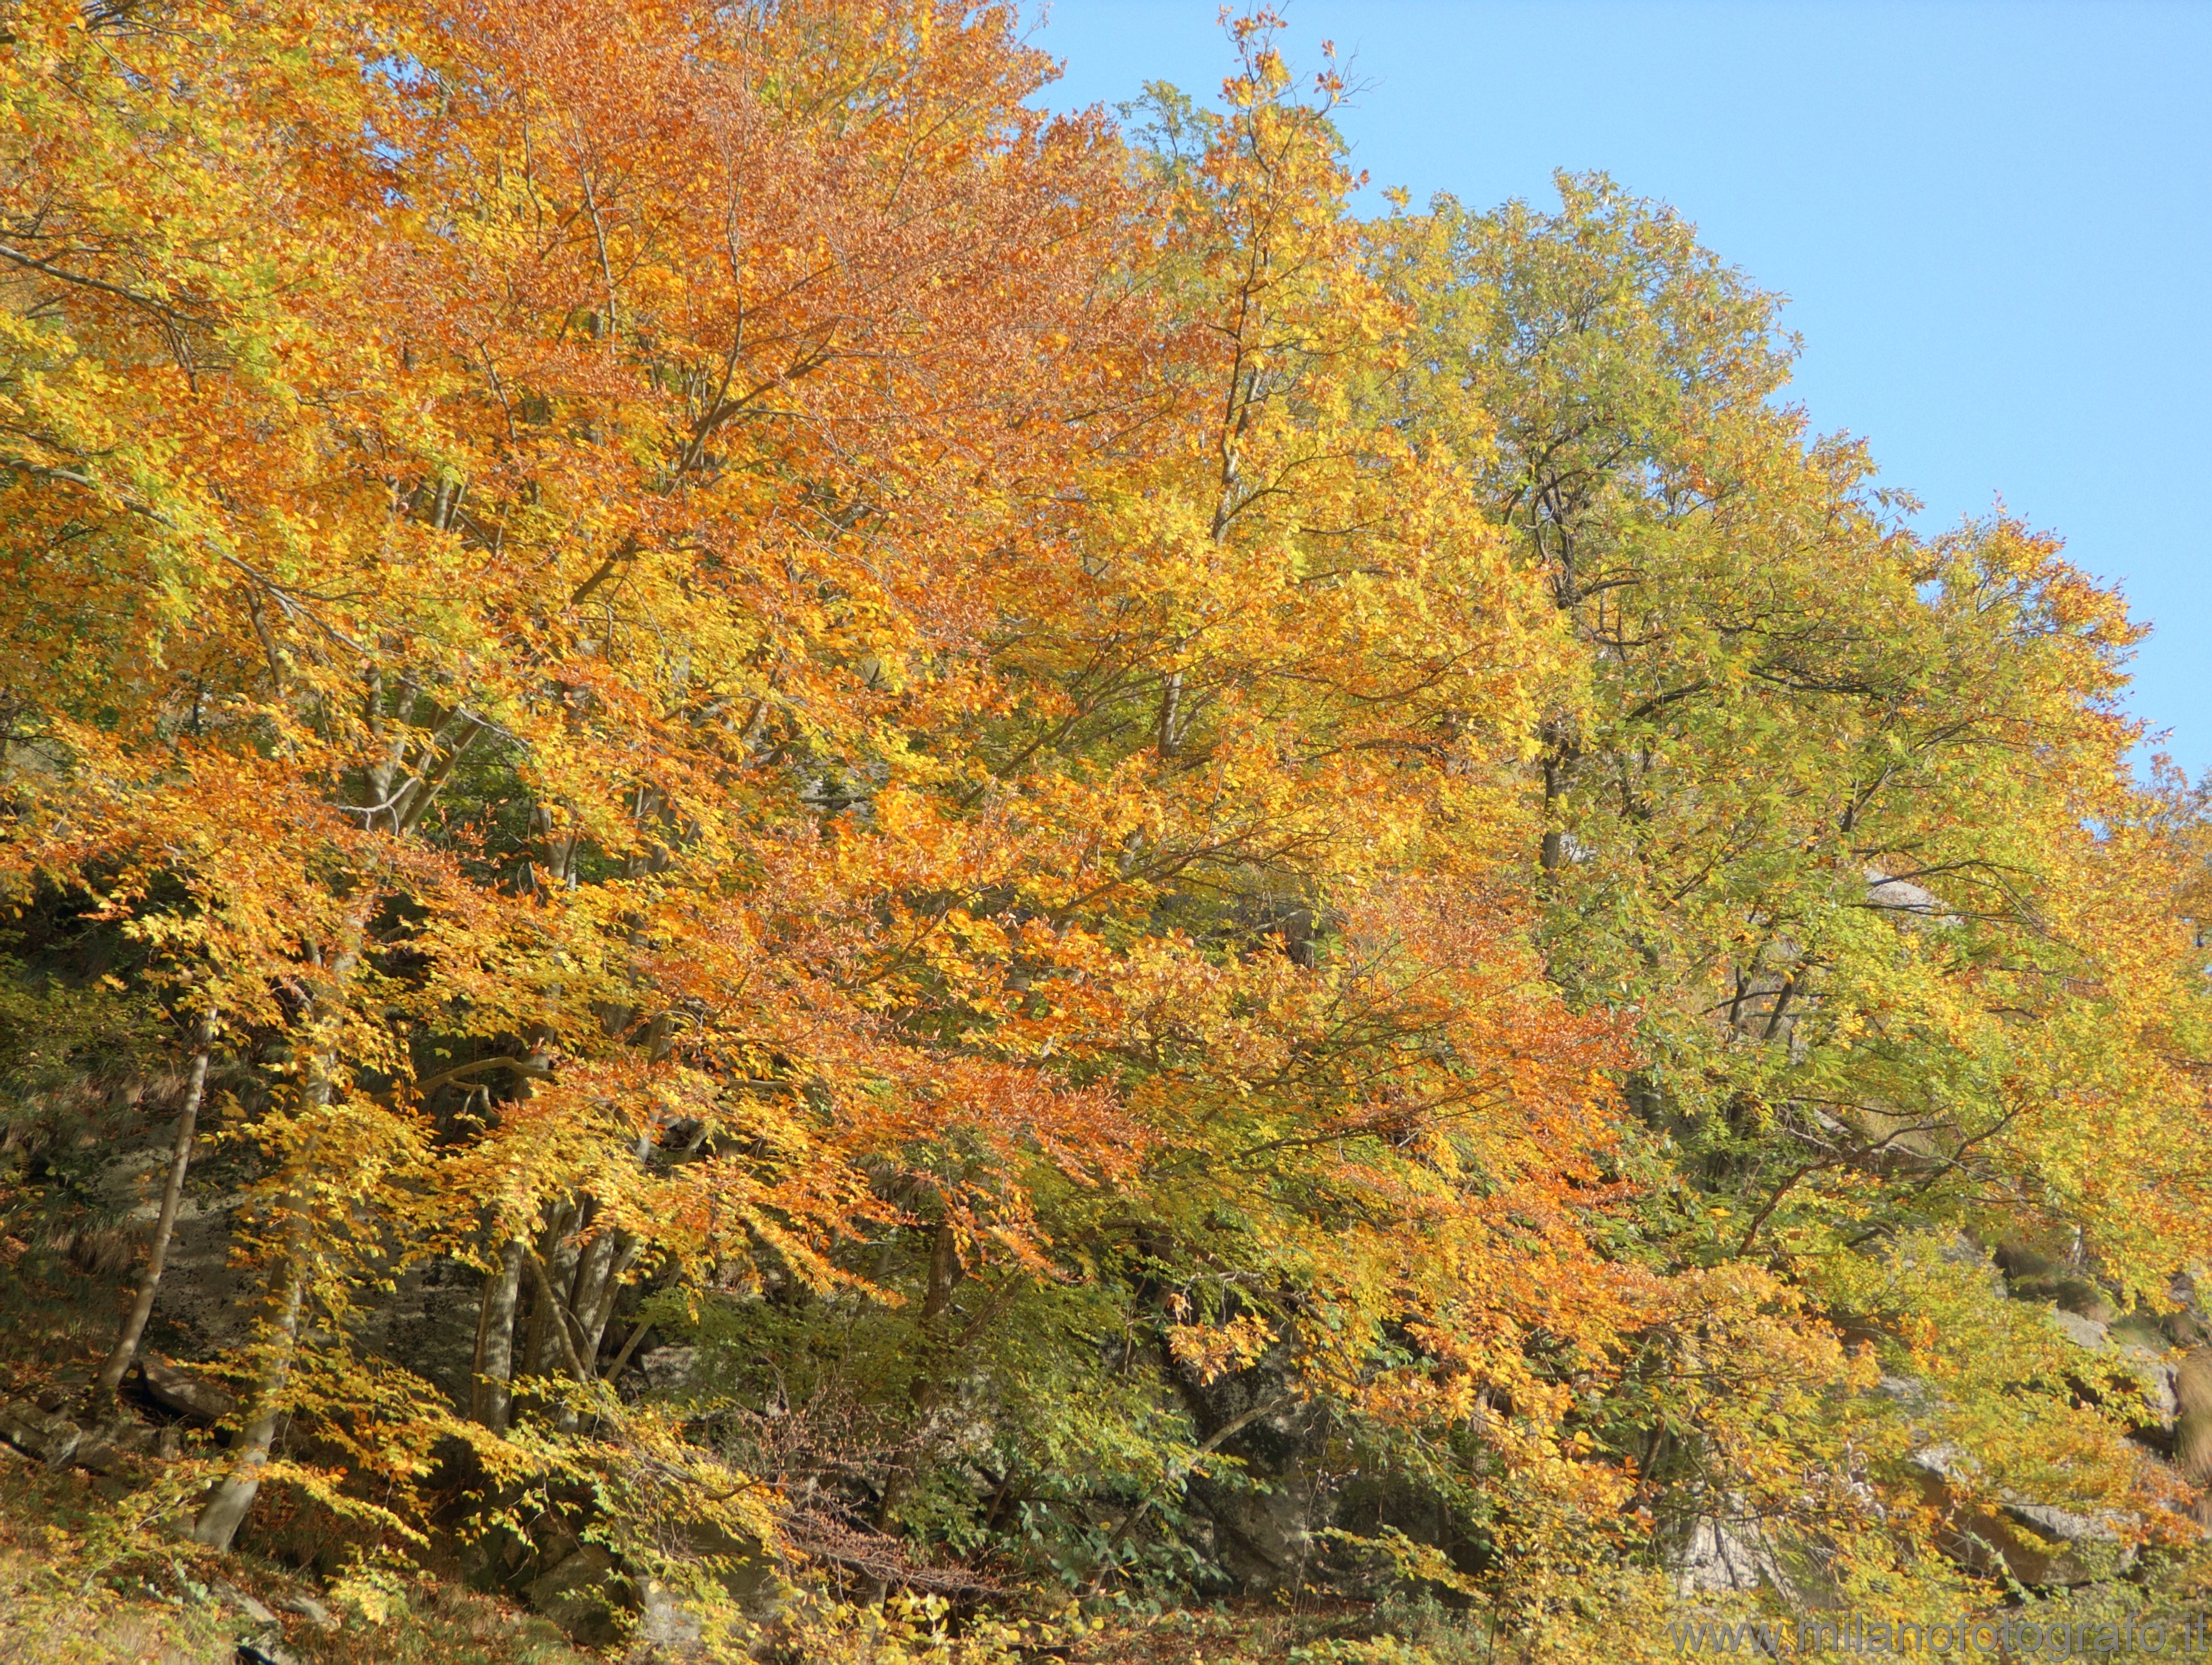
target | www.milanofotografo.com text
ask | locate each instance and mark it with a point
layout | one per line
(2009, 1635)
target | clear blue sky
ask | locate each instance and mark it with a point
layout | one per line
(1993, 222)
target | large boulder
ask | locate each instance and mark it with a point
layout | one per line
(667, 1368)
(2082, 1331)
(428, 1324)
(577, 1594)
(1269, 1511)
(2036, 1544)
(668, 1626)
(1723, 1557)
(190, 1396)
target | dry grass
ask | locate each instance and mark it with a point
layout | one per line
(70, 1593)
(48, 1620)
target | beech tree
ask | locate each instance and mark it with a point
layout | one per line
(1123, 842)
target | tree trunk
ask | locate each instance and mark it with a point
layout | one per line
(219, 1521)
(591, 1269)
(594, 1317)
(564, 1343)
(492, 1397)
(180, 1156)
(558, 1252)
(225, 1513)
(944, 1272)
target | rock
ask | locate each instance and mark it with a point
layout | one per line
(1268, 1522)
(666, 1622)
(51, 1439)
(1939, 1462)
(428, 1318)
(573, 1594)
(2160, 1397)
(109, 1446)
(1908, 902)
(266, 1648)
(2083, 1332)
(231, 1595)
(1963, 1250)
(63, 1391)
(308, 1608)
(2037, 1544)
(1723, 1557)
(666, 1369)
(2066, 1526)
(1908, 1391)
(181, 1391)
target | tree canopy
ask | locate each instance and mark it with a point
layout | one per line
(1178, 891)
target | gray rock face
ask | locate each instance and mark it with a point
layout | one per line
(574, 1594)
(428, 1325)
(110, 1446)
(2065, 1525)
(1908, 1391)
(1963, 1250)
(2037, 1543)
(665, 1624)
(258, 1611)
(667, 1368)
(2138, 1343)
(181, 1391)
(2083, 1332)
(2160, 1395)
(2144, 1346)
(1939, 1461)
(1266, 1517)
(1723, 1557)
(1909, 902)
(309, 1609)
(51, 1439)
(208, 1302)
(2040, 1545)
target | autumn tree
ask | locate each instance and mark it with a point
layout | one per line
(1847, 824)
(1126, 841)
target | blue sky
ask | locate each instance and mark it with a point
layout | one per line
(1993, 222)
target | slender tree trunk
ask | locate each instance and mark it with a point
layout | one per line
(581, 1364)
(591, 1269)
(219, 1521)
(564, 1343)
(226, 1512)
(583, 1286)
(944, 1272)
(1169, 737)
(594, 1317)
(558, 1219)
(486, 1300)
(492, 1397)
(558, 1252)
(180, 1156)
